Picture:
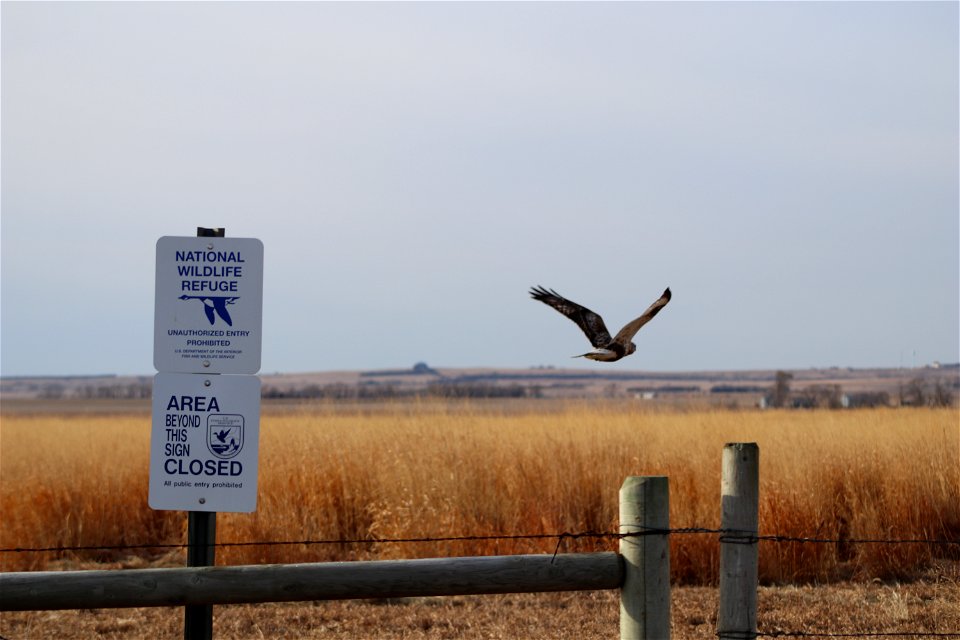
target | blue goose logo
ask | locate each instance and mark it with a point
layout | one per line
(216, 304)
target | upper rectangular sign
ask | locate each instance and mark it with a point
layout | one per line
(208, 311)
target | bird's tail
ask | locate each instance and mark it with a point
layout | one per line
(601, 355)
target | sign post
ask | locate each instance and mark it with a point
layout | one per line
(205, 435)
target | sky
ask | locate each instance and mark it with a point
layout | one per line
(789, 170)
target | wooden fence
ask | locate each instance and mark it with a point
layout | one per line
(641, 569)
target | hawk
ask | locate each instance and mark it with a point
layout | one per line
(606, 349)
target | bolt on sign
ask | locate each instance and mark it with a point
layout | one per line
(208, 310)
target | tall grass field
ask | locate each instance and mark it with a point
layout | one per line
(459, 469)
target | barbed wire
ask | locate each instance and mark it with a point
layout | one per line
(780, 538)
(305, 542)
(730, 536)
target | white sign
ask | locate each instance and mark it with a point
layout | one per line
(204, 447)
(208, 311)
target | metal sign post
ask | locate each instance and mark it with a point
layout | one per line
(205, 435)
(201, 541)
(201, 552)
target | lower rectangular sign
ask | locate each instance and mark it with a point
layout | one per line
(204, 444)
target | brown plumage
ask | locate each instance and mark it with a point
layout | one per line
(606, 349)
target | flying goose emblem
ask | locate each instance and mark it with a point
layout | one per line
(215, 303)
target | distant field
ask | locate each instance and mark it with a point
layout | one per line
(438, 469)
(701, 388)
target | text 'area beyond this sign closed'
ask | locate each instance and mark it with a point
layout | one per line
(209, 305)
(204, 442)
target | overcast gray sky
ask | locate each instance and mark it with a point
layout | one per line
(790, 170)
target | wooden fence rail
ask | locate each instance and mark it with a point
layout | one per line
(314, 581)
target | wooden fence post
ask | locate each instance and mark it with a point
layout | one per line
(740, 503)
(645, 594)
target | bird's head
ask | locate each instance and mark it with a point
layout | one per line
(631, 347)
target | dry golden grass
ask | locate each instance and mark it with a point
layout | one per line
(437, 469)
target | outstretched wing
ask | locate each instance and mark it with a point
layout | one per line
(589, 322)
(209, 311)
(626, 334)
(220, 304)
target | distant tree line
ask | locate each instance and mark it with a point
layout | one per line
(819, 396)
(339, 391)
(131, 391)
(736, 388)
(675, 388)
(867, 399)
(918, 392)
(480, 390)
(334, 391)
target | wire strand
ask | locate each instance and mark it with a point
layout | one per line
(727, 536)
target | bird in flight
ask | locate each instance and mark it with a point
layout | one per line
(215, 303)
(606, 349)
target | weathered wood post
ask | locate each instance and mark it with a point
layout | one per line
(740, 504)
(645, 594)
